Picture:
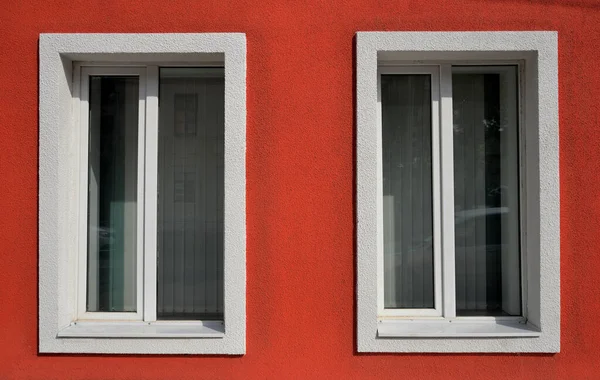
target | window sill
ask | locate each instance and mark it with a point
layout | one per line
(455, 329)
(186, 329)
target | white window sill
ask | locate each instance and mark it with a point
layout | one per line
(170, 329)
(455, 329)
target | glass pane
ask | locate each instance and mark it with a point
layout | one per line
(486, 191)
(112, 194)
(190, 187)
(407, 194)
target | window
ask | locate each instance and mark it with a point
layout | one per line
(142, 193)
(457, 200)
(189, 218)
(484, 198)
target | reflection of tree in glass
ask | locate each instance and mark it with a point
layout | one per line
(478, 124)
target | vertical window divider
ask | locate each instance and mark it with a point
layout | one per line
(446, 176)
(151, 194)
(436, 161)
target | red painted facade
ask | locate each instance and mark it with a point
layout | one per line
(300, 184)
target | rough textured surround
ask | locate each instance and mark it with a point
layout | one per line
(59, 168)
(540, 173)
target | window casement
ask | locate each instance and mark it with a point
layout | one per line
(142, 193)
(457, 192)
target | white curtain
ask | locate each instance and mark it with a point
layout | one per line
(486, 191)
(407, 194)
(190, 193)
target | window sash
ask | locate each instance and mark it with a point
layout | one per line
(436, 311)
(84, 111)
(443, 189)
(147, 189)
(151, 195)
(190, 218)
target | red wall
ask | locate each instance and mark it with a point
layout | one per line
(300, 167)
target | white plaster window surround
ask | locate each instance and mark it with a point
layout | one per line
(60, 189)
(538, 328)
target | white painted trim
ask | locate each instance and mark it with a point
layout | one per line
(456, 329)
(183, 329)
(82, 109)
(141, 199)
(446, 193)
(60, 190)
(538, 51)
(151, 194)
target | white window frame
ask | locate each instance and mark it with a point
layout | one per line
(81, 84)
(436, 311)
(64, 324)
(538, 329)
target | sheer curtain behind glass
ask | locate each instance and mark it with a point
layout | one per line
(112, 194)
(407, 193)
(486, 191)
(190, 193)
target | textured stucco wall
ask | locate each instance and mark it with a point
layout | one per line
(300, 176)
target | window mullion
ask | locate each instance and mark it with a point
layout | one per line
(151, 194)
(447, 191)
(436, 186)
